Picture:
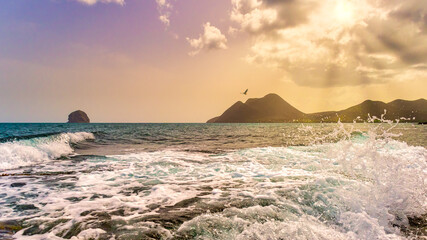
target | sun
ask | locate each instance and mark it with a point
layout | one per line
(344, 11)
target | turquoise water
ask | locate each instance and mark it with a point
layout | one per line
(200, 137)
(212, 181)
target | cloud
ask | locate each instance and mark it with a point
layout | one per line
(164, 8)
(257, 16)
(327, 43)
(92, 2)
(212, 38)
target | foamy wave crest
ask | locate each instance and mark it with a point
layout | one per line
(33, 151)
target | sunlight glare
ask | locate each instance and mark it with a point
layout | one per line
(344, 11)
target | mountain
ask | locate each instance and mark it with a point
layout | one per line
(396, 109)
(78, 117)
(272, 108)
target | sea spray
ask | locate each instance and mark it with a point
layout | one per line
(388, 181)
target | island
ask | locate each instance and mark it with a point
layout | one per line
(273, 109)
(78, 117)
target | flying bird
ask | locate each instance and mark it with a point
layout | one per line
(245, 92)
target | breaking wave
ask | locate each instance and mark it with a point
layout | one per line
(32, 151)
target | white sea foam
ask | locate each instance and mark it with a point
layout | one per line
(89, 234)
(33, 151)
(358, 188)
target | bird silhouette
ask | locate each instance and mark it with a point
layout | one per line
(245, 92)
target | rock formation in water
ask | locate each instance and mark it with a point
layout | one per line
(78, 117)
(272, 108)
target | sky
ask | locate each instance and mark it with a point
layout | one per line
(189, 60)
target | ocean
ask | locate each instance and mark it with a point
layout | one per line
(213, 181)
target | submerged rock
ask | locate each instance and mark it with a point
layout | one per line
(417, 227)
(78, 117)
(8, 228)
(18, 184)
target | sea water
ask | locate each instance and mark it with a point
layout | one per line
(213, 181)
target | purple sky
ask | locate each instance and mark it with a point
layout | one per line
(121, 63)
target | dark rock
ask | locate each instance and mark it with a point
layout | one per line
(11, 226)
(24, 207)
(96, 196)
(417, 228)
(75, 199)
(43, 228)
(17, 184)
(8, 228)
(78, 117)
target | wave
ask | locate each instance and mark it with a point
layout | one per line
(27, 152)
(364, 186)
(25, 137)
